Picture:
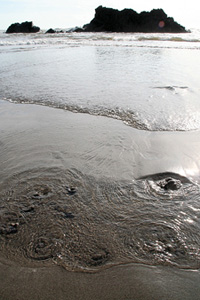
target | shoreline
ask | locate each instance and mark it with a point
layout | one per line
(86, 142)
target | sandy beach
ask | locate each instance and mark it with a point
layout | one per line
(36, 137)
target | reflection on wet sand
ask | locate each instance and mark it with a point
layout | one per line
(62, 205)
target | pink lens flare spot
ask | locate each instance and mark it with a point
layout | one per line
(161, 24)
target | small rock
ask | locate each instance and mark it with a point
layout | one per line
(36, 196)
(28, 209)
(68, 215)
(71, 190)
(50, 31)
(170, 184)
(9, 228)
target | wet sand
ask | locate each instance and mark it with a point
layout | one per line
(126, 282)
(39, 136)
(34, 137)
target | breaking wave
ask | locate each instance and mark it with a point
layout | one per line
(187, 40)
(172, 122)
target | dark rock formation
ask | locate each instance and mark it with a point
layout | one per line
(50, 31)
(54, 31)
(75, 29)
(128, 20)
(25, 27)
(78, 29)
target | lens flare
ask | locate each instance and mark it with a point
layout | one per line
(161, 24)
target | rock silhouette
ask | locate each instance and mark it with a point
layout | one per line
(24, 27)
(128, 20)
(54, 31)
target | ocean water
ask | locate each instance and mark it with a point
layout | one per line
(147, 80)
(100, 143)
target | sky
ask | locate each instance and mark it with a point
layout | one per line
(70, 13)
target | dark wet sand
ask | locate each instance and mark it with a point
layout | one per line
(128, 281)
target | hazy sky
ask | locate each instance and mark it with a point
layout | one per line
(70, 13)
